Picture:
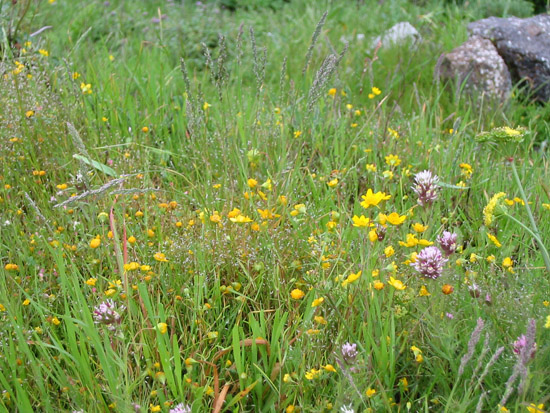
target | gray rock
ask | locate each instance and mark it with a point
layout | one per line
(397, 34)
(478, 67)
(524, 44)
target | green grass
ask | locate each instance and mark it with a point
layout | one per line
(217, 322)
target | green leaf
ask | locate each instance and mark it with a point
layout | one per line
(97, 165)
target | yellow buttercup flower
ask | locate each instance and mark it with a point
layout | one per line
(297, 294)
(361, 221)
(395, 219)
(397, 284)
(373, 199)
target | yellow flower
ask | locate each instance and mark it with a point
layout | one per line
(86, 88)
(397, 284)
(241, 219)
(376, 91)
(333, 182)
(297, 294)
(154, 408)
(488, 211)
(252, 182)
(317, 302)
(332, 92)
(494, 240)
(162, 328)
(393, 160)
(91, 281)
(378, 285)
(55, 321)
(389, 251)
(206, 106)
(361, 221)
(43, 52)
(159, 256)
(330, 367)
(532, 408)
(370, 392)
(373, 199)
(313, 374)
(417, 354)
(419, 228)
(26, 302)
(507, 262)
(424, 292)
(96, 242)
(11, 267)
(546, 206)
(297, 133)
(351, 278)
(395, 219)
(132, 239)
(547, 325)
(466, 170)
(373, 236)
(371, 167)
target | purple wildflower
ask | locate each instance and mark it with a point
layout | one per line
(447, 242)
(429, 262)
(521, 343)
(349, 352)
(181, 408)
(426, 187)
(108, 313)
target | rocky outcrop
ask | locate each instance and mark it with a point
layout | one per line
(478, 68)
(524, 44)
(397, 34)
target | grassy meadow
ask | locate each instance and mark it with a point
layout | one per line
(224, 206)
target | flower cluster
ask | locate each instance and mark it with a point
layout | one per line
(426, 187)
(429, 262)
(108, 313)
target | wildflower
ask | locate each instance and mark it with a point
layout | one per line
(349, 352)
(181, 408)
(330, 368)
(96, 242)
(373, 199)
(108, 313)
(393, 160)
(297, 294)
(489, 210)
(26, 302)
(447, 289)
(376, 91)
(395, 219)
(447, 242)
(466, 170)
(547, 324)
(86, 88)
(332, 92)
(162, 328)
(370, 392)
(533, 408)
(351, 278)
(389, 251)
(43, 52)
(160, 257)
(508, 264)
(417, 354)
(91, 282)
(361, 221)
(11, 267)
(155, 408)
(313, 374)
(494, 240)
(371, 167)
(332, 183)
(317, 302)
(419, 228)
(424, 292)
(521, 343)
(426, 187)
(397, 284)
(206, 106)
(297, 133)
(430, 262)
(378, 285)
